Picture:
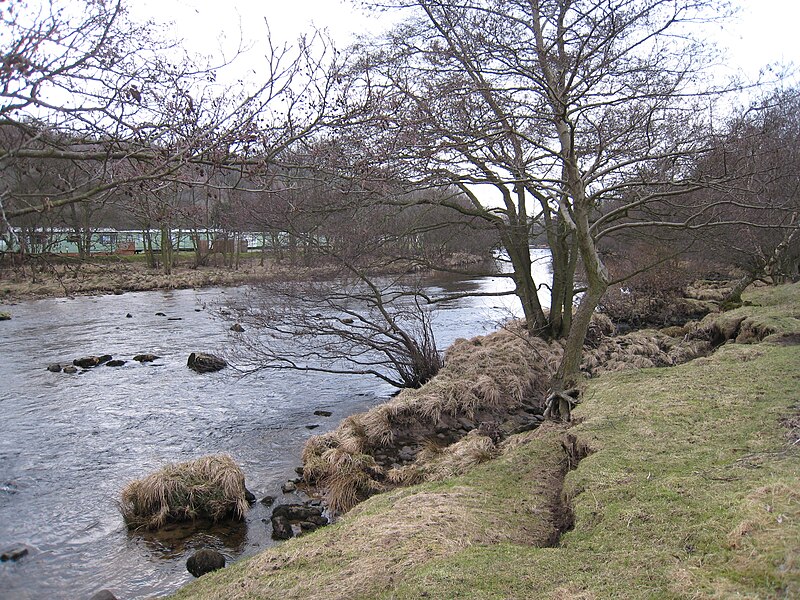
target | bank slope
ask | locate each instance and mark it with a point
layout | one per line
(692, 490)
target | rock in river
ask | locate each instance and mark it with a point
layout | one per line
(4, 316)
(103, 595)
(87, 362)
(54, 368)
(115, 363)
(143, 358)
(13, 554)
(281, 528)
(205, 363)
(237, 328)
(70, 369)
(204, 561)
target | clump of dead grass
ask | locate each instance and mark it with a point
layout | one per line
(437, 464)
(485, 374)
(210, 487)
(708, 290)
(640, 350)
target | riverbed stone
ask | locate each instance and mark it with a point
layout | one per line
(298, 512)
(288, 487)
(87, 362)
(115, 363)
(205, 363)
(13, 554)
(322, 413)
(466, 423)
(129, 316)
(281, 528)
(143, 358)
(160, 314)
(103, 595)
(268, 500)
(237, 328)
(4, 316)
(204, 561)
(70, 369)
(308, 526)
(249, 496)
(54, 368)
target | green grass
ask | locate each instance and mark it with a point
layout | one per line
(693, 491)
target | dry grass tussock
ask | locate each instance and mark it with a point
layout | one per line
(437, 464)
(210, 487)
(640, 350)
(485, 374)
(707, 290)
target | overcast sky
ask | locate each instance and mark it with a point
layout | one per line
(765, 31)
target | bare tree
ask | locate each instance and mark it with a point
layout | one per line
(760, 214)
(574, 113)
(80, 82)
(351, 324)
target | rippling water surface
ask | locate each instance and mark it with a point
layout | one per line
(68, 443)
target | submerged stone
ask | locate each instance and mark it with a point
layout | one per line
(14, 554)
(143, 358)
(204, 561)
(281, 528)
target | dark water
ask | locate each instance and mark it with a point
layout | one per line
(69, 443)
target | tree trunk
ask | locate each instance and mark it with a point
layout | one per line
(520, 255)
(166, 250)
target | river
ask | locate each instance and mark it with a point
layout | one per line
(69, 443)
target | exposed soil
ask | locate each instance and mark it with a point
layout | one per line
(785, 339)
(561, 506)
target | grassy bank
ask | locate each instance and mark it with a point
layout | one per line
(103, 275)
(69, 276)
(692, 490)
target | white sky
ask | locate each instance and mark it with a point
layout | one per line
(765, 31)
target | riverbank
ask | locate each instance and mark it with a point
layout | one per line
(671, 482)
(115, 275)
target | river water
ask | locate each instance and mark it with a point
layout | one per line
(69, 443)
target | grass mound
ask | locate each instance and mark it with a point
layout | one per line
(486, 379)
(483, 379)
(211, 487)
